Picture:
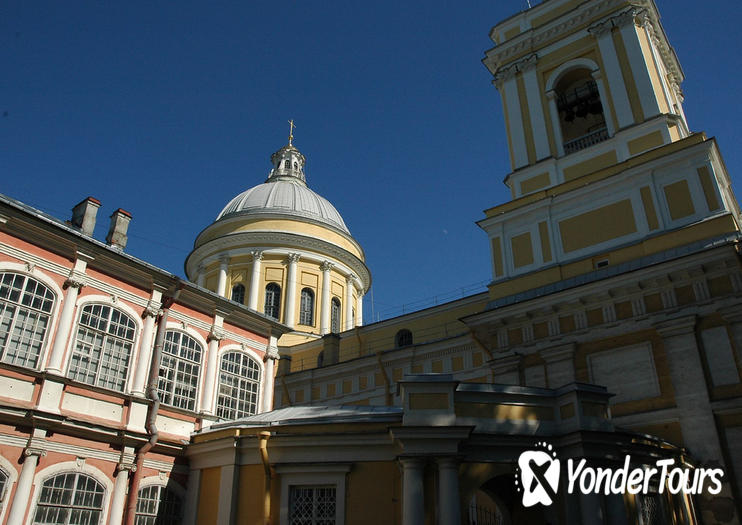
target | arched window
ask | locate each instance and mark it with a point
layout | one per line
(306, 308)
(70, 498)
(335, 316)
(3, 484)
(239, 379)
(580, 110)
(158, 505)
(25, 305)
(403, 338)
(179, 370)
(103, 346)
(238, 293)
(272, 300)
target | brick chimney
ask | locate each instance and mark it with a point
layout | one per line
(83, 215)
(116, 237)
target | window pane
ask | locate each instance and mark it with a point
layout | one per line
(103, 346)
(239, 380)
(179, 370)
(72, 498)
(25, 305)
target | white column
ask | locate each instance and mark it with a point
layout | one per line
(613, 75)
(73, 284)
(271, 357)
(252, 298)
(598, 77)
(536, 109)
(639, 66)
(551, 96)
(216, 334)
(201, 276)
(515, 118)
(290, 312)
(118, 499)
(221, 284)
(413, 505)
(448, 492)
(349, 301)
(191, 502)
(145, 344)
(23, 486)
(359, 308)
(324, 326)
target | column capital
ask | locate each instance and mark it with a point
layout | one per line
(224, 259)
(551, 95)
(732, 314)
(678, 326)
(34, 451)
(126, 467)
(412, 462)
(152, 309)
(257, 255)
(216, 333)
(75, 280)
(326, 266)
(350, 278)
(527, 63)
(293, 257)
(448, 462)
(601, 28)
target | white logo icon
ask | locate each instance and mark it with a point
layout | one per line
(539, 475)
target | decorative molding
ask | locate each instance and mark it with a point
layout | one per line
(293, 257)
(257, 255)
(152, 309)
(326, 266)
(216, 333)
(75, 280)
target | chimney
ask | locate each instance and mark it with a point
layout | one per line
(83, 215)
(116, 237)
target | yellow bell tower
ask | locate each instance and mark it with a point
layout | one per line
(604, 168)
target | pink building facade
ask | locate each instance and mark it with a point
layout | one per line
(90, 430)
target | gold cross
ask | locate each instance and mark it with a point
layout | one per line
(291, 131)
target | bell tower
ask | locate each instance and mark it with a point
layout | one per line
(604, 169)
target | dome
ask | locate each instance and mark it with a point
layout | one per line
(283, 196)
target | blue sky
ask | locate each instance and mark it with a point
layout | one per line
(169, 109)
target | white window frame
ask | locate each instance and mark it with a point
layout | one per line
(78, 466)
(134, 355)
(253, 357)
(173, 327)
(166, 483)
(313, 474)
(52, 313)
(10, 470)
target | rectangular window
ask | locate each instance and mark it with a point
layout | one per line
(312, 505)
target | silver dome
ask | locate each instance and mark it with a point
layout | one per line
(283, 196)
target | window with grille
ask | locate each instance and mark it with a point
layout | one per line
(238, 293)
(312, 505)
(239, 379)
(179, 370)
(71, 498)
(157, 505)
(25, 308)
(272, 300)
(103, 346)
(306, 307)
(335, 316)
